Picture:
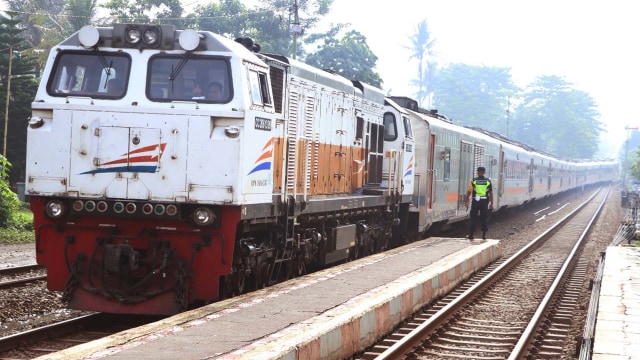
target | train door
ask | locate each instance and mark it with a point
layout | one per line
(341, 154)
(478, 158)
(531, 175)
(375, 153)
(501, 175)
(467, 163)
(550, 177)
(358, 156)
(398, 148)
(431, 171)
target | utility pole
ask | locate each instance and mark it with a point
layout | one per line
(626, 158)
(296, 28)
(6, 107)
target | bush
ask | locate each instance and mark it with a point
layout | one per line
(9, 202)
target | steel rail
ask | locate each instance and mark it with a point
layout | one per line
(405, 344)
(522, 346)
(19, 269)
(45, 332)
(21, 282)
(586, 344)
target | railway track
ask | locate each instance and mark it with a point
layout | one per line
(520, 307)
(21, 276)
(55, 337)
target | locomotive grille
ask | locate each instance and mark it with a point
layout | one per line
(277, 86)
(292, 133)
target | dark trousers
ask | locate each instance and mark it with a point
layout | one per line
(479, 209)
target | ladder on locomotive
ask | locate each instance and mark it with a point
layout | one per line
(283, 255)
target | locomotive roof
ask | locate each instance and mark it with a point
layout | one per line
(327, 78)
(114, 37)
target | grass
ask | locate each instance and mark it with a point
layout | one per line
(15, 236)
(20, 229)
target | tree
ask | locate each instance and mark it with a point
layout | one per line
(475, 95)
(268, 24)
(22, 85)
(81, 12)
(348, 56)
(146, 11)
(43, 22)
(634, 160)
(422, 50)
(232, 19)
(555, 117)
(38, 18)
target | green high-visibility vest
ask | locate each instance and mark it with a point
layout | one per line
(481, 185)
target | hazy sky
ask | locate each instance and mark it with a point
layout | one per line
(592, 44)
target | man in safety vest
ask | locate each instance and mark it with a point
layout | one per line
(481, 192)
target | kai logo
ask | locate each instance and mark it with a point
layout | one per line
(263, 162)
(144, 159)
(409, 170)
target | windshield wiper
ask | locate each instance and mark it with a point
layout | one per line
(176, 71)
(106, 65)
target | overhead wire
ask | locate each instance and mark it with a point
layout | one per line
(276, 11)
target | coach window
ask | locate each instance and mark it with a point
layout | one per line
(447, 164)
(390, 127)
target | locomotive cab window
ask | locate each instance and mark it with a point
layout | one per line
(196, 78)
(259, 88)
(390, 127)
(95, 75)
(407, 127)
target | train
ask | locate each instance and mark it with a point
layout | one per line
(152, 196)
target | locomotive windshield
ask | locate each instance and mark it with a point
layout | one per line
(201, 79)
(96, 74)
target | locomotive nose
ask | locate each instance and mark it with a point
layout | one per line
(120, 259)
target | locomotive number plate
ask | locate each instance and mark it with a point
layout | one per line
(263, 124)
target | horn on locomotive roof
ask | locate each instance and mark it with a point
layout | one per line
(249, 44)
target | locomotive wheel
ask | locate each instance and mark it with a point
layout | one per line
(354, 252)
(262, 277)
(226, 287)
(240, 282)
(300, 267)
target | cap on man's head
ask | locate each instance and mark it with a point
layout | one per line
(480, 168)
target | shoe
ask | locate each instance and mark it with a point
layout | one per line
(470, 237)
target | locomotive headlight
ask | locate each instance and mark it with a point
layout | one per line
(144, 36)
(133, 36)
(55, 209)
(89, 36)
(150, 36)
(189, 39)
(204, 216)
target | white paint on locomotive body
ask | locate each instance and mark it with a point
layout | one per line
(135, 147)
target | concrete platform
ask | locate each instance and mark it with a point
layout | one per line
(330, 314)
(617, 333)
